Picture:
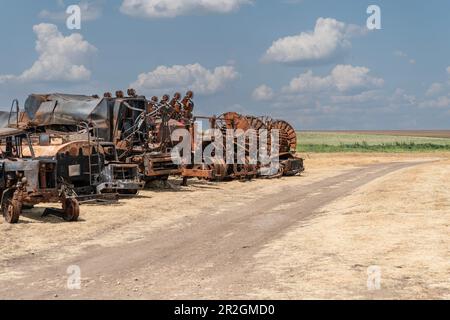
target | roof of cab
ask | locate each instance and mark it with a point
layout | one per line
(11, 132)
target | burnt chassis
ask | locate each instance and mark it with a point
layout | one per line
(30, 180)
(145, 142)
(89, 166)
(116, 176)
(289, 163)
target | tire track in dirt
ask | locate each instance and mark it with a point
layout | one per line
(211, 257)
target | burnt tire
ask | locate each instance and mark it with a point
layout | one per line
(71, 209)
(11, 211)
(128, 192)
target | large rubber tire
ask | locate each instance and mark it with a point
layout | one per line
(11, 211)
(71, 209)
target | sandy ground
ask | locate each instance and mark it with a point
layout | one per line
(398, 221)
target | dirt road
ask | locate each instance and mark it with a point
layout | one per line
(214, 253)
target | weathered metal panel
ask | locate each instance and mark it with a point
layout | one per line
(30, 169)
(33, 102)
(10, 132)
(63, 109)
(4, 117)
(22, 165)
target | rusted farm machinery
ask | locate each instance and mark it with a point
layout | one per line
(290, 164)
(224, 168)
(87, 164)
(94, 146)
(123, 122)
(28, 179)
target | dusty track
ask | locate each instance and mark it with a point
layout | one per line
(211, 256)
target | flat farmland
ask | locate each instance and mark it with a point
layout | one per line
(373, 141)
(405, 133)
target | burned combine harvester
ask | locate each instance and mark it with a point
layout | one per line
(90, 167)
(146, 136)
(118, 122)
(72, 163)
(217, 170)
(28, 178)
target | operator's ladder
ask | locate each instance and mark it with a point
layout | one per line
(94, 157)
(95, 164)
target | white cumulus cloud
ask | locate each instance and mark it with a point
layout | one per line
(174, 8)
(343, 78)
(189, 77)
(448, 70)
(329, 41)
(60, 58)
(263, 93)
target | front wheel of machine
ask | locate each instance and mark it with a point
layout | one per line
(71, 209)
(11, 211)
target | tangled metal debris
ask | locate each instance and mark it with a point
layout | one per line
(74, 148)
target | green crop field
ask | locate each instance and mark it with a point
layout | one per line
(369, 142)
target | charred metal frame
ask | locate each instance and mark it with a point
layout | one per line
(29, 180)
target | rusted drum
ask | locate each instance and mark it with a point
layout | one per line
(288, 136)
(232, 120)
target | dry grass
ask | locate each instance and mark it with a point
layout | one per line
(399, 223)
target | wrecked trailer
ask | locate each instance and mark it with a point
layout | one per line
(27, 179)
(120, 120)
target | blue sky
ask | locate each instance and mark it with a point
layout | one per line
(313, 63)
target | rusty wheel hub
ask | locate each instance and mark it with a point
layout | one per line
(71, 209)
(11, 211)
